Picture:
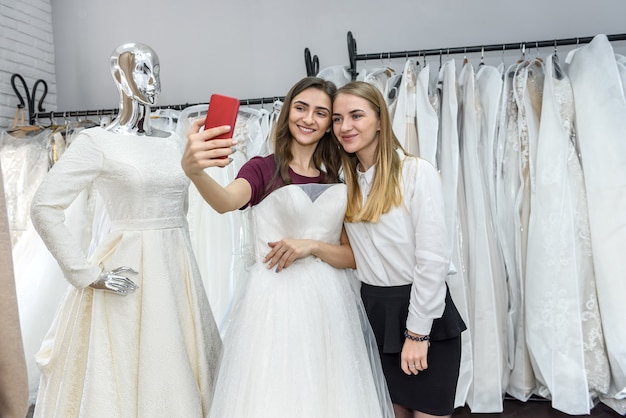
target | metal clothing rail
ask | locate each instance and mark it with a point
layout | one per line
(114, 111)
(354, 57)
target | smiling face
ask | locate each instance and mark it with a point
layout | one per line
(356, 125)
(309, 116)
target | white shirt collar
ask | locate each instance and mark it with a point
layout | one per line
(365, 179)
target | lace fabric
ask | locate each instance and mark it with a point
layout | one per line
(24, 163)
(561, 302)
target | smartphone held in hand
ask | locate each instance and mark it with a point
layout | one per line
(222, 111)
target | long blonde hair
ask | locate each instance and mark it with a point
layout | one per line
(386, 188)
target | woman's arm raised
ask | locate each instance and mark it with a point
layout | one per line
(201, 152)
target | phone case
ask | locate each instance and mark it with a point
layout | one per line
(222, 111)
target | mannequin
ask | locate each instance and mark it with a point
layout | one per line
(116, 345)
(135, 68)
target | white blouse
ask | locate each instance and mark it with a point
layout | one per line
(408, 245)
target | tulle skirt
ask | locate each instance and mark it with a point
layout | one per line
(298, 344)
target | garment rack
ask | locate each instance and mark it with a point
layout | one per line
(354, 57)
(114, 111)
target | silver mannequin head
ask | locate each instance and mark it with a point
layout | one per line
(136, 70)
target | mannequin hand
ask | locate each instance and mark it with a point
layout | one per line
(201, 151)
(113, 281)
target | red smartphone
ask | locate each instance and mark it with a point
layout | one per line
(222, 111)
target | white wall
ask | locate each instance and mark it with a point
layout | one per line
(252, 49)
(26, 48)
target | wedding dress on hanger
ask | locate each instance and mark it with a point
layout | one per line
(337, 74)
(216, 238)
(486, 285)
(564, 333)
(448, 162)
(489, 84)
(24, 155)
(600, 106)
(426, 118)
(39, 283)
(526, 88)
(404, 122)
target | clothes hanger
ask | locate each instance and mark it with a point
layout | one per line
(19, 128)
(557, 71)
(312, 64)
(389, 69)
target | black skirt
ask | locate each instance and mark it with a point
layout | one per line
(433, 390)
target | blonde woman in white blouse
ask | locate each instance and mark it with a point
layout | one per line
(396, 224)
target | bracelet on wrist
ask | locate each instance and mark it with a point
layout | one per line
(412, 338)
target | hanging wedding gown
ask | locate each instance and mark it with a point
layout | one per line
(403, 123)
(489, 82)
(563, 329)
(486, 288)
(448, 162)
(150, 353)
(39, 283)
(299, 341)
(600, 108)
(24, 157)
(426, 118)
(527, 86)
(489, 85)
(338, 74)
(14, 378)
(219, 239)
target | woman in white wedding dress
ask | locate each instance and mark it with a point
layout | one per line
(297, 342)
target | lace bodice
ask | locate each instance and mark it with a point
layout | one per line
(139, 178)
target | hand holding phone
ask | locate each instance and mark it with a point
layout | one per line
(222, 111)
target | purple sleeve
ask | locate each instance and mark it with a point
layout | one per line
(258, 171)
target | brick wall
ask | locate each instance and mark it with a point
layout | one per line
(26, 48)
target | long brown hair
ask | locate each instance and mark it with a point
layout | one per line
(386, 189)
(326, 156)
